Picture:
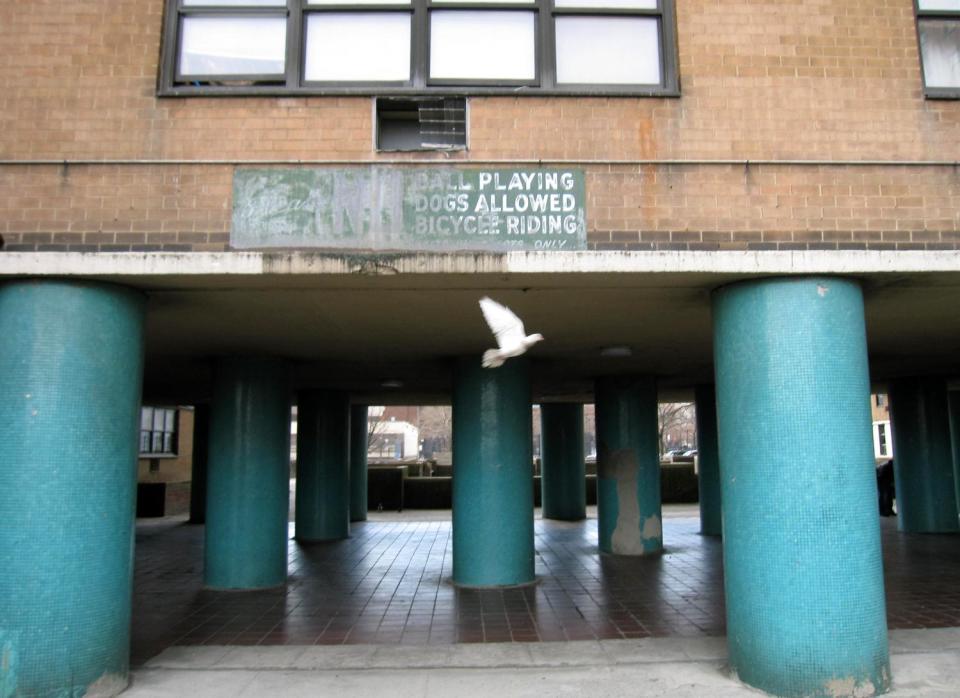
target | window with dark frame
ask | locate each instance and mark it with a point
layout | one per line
(938, 32)
(419, 46)
(158, 431)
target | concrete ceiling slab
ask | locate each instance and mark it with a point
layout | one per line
(354, 322)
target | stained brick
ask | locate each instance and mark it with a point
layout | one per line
(817, 80)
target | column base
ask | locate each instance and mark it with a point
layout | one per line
(492, 587)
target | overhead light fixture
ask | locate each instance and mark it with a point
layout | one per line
(616, 352)
(391, 383)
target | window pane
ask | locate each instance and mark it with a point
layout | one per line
(235, 3)
(632, 4)
(358, 2)
(608, 50)
(940, 5)
(168, 443)
(482, 45)
(156, 444)
(158, 420)
(358, 46)
(940, 46)
(146, 418)
(170, 420)
(483, 2)
(144, 442)
(233, 45)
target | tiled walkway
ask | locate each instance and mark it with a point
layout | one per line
(389, 583)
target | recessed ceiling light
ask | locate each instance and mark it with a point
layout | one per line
(616, 352)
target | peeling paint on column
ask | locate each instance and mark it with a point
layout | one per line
(621, 466)
(847, 687)
(850, 688)
(633, 535)
(107, 686)
(652, 529)
(628, 470)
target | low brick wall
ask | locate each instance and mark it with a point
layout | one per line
(386, 488)
(391, 489)
(155, 499)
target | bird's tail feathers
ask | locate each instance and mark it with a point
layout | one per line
(492, 358)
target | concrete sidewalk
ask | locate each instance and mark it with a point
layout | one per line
(925, 663)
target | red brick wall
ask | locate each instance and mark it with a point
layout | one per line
(760, 80)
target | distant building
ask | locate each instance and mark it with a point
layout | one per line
(882, 434)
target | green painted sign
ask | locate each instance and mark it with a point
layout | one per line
(399, 208)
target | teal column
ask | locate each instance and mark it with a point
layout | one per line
(198, 466)
(628, 466)
(923, 456)
(323, 466)
(708, 460)
(563, 470)
(358, 462)
(801, 535)
(248, 475)
(492, 474)
(953, 400)
(71, 368)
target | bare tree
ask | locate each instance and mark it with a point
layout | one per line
(376, 428)
(674, 416)
(436, 427)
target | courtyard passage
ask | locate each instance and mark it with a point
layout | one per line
(389, 584)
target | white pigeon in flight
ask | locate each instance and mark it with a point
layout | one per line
(508, 329)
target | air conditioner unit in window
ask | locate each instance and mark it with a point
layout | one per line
(421, 123)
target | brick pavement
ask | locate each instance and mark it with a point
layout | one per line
(389, 584)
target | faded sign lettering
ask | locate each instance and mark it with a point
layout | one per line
(393, 208)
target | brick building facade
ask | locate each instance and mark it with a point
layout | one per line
(766, 199)
(798, 126)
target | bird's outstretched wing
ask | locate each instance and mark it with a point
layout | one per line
(506, 326)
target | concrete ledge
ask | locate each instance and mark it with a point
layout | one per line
(925, 663)
(584, 653)
(920, 640)
(180, 264)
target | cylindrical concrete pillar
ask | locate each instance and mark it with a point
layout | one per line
(563, 482)
(358, 463)
(628, 466)
(198, 469)
(71, 370)
(323, 466)
(923, 456)
(248, 475)
(708, 460)
(953, 400)
(492, 474)
(801, 536)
